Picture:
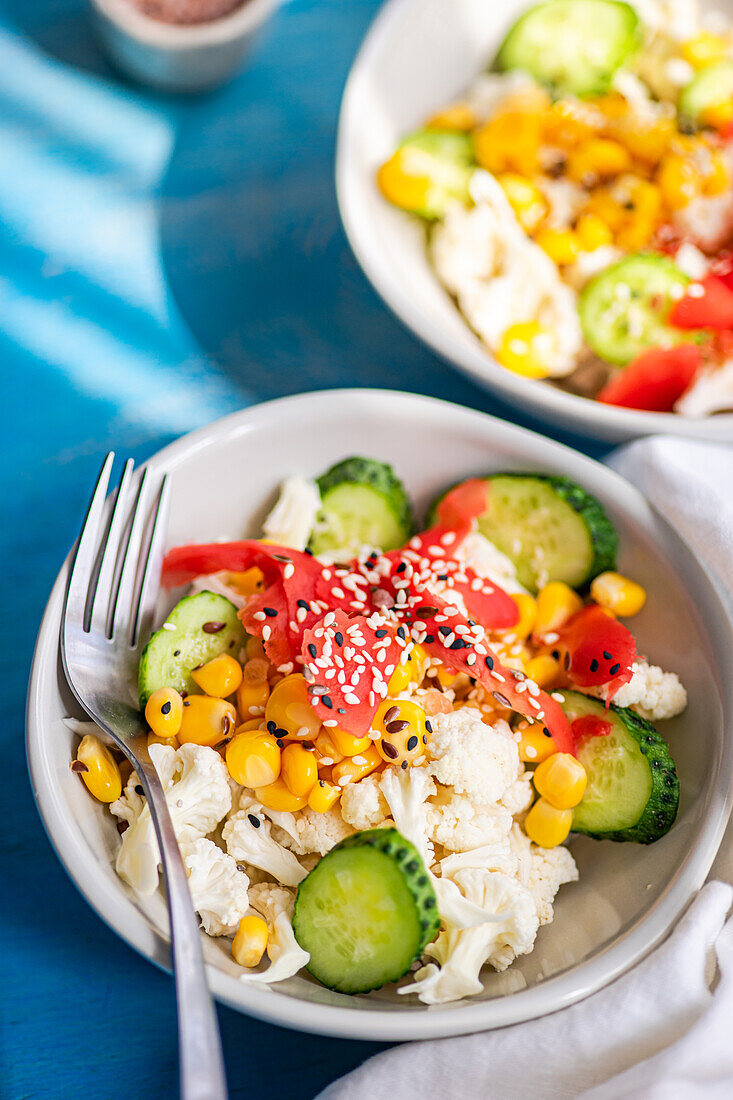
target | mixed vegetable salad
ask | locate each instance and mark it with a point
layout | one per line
(579, 202)
(374, 742)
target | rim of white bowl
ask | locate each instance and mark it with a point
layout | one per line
(542, 400)
(376, 1021)
(187, 36)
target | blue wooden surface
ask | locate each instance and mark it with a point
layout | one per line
(162, 262)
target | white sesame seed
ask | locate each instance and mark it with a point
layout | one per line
(258, 615)
(530, 751)
(302, 731)
(266, 632)
(338, 593)
(330, 722)
(556, 695)
(344, 779)
(326, 761)
(171, 626)
(551, 638)
(300, 615)
(359, 759)
(254, 711)
(288, 570)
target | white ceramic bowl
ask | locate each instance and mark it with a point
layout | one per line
(179, 58)
(418, 56)
(223, 479)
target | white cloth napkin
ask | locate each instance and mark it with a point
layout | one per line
(663, 1030)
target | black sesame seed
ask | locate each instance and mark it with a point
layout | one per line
(459, 644)
(166, 708)
(176, 653)
(442, 576)
(312, 650)
(254, 821)
(403, 765)
(546, 731)
(444, 630)
(429, 638)
(389, 750)
(280, 742)
(381, 633)
(428, 725)
(327, 701)
(280, 732)
(594, 665)
(412, 743)
(401, 632)
(614, 669)
(270, 612)
(187, 702)
(302, 603)
(401, 567)
(341, 710)
(139, 789)
(607, 656)
(489, 662)
(271, 726)
(424, 739)
(338, 638)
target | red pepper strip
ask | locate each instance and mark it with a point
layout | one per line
(484, 601)
(464, 503)
(589, 726)
(708, 303)
(600, 651)
(340, 688)
(655, 380)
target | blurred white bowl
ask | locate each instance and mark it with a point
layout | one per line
(628, 895)
(418, 56)
(175, 57)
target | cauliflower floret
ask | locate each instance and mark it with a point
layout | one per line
(363, 805)
(487, 561)
(653, 693)
(475, 759)
(317, 832)
(459, 825)
(287, 957)
(462, 952)
(218, 888)
(550, 869)
(711, 392)
(291, 521)
(247, 835)
(196, 785)
(517, 798)
(407, 793)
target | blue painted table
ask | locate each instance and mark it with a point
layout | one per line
(162, 262)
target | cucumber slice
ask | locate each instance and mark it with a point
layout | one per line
(572, 46)
(365, 912)
(362, 504)
(633, 791)
(709, 88)
(429, 170)
(206, 624)
(550, 528)
(624, 310)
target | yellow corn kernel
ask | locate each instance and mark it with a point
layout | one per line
(546, 825)
(446, 677)
(253, 758)
(206, 721)
(718, 116)
(618, 594)
(561, 779)
(535, 745)
(288, 707)
(680, 181)
(567, 124)
(276, 796)
(561, 245)
(704, 49)
(411, 672)
(323, 796)
(717, 177)
(556, 603)
(606, 208)
(246, 583)
(524, 348)
(593, 232)
(527, 606)
(346, 744)
(327, 750)
(402, 729)
(544, 670)
(253, 647)
(354, 768)
(299, 770)
(509, 142)
(98, 769)
(597, 159)
(250, 940)
(254, 690)
(400, 185)
(525, 199)
(221, 676)
(172, 742)
(458, 116)
(164, 711)
(251, 724)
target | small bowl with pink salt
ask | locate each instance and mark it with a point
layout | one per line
(181, 45)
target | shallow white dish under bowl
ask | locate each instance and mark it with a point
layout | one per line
(418, 56)
(223, 479)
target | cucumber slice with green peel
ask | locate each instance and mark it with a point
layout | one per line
(633, 790)
(550, 528)
(573, 47)
(624, 310)
(429, 170)
(365, 912)
(362, 504)
(204, 625)
(709, 88)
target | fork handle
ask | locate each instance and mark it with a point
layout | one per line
(201, 1063)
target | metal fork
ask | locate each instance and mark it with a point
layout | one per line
(108, 609)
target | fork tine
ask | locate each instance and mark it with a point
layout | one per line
(87, 549)
(122, 607)
(99, 610)
(150, 583)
